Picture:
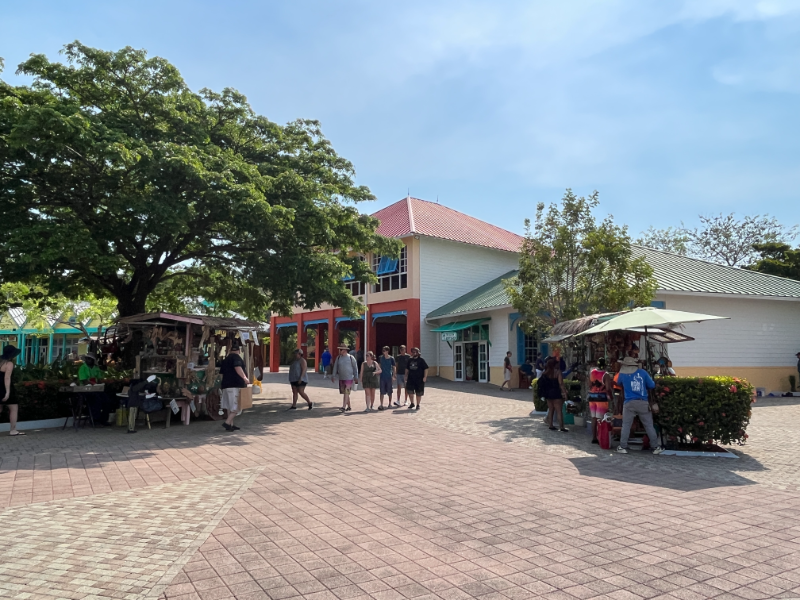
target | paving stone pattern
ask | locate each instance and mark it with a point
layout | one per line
(394, 505)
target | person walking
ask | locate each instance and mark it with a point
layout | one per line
(345, 371)
(636, 385)
(416, 377)
(325, 361)
(400, 370)
(388, 372)
(508, 370)
(233, 380)
(370, 374)
(551, 388)
(298, 379)
(8, 393)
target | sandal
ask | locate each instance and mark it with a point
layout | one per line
(16, 433)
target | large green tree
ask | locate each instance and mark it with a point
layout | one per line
(570, 266)
(116, 179)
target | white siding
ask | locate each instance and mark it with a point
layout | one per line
(449, 270)
(759, 333)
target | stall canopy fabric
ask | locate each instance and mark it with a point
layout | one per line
(459, 325)
(566, 329)
(649, 317)
(161, 318)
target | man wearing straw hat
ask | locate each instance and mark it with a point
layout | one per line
(636, 384)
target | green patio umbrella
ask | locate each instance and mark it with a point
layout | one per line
(661, 318)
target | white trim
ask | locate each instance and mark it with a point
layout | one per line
(40, 424)
(725, 295)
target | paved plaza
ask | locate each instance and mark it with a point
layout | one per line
(467, 498)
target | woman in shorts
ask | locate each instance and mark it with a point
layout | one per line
(298, 379)
(370, 379)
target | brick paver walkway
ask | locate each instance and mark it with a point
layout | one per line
(434, 504)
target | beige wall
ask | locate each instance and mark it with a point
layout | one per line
(447, 373)
(772, 378)
(412, 291)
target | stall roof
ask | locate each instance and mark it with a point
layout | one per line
(158, 318)
(566, 329)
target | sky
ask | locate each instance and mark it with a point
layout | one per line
(668, 108)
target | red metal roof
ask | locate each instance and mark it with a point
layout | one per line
(412, 216)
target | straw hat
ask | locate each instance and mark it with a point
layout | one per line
(628, 365)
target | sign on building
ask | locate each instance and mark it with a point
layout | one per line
(449, 336)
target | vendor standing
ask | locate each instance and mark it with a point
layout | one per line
(99, 403)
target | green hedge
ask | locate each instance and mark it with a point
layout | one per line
(704, 409)
(41, 399)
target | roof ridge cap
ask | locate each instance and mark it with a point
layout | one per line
(411, 224)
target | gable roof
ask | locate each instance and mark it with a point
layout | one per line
(673, 272)
(412, 216)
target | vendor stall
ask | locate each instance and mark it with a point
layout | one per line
(607, 339)
(183, 352)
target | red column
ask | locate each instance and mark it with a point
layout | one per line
(274, 345)
(302, 338)
(412, 323)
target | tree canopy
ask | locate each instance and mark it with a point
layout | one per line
(777, 259)
(116, 179)
(722, 239)
(570, 266)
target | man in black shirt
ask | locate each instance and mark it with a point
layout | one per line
(233, 379)
(416, 376)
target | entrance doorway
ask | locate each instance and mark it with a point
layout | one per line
(471, 361)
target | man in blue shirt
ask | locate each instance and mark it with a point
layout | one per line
(326, 363)
(636, 384)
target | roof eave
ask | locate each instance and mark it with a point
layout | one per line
(468, 312)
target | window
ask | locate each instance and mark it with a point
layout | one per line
(392, 272)
(530, 346)
(357, 288)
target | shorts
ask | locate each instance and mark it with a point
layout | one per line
(598, 409)
(298, 384)
(230, 400)
(345, 385)
(506, 374)
(417, 388)
(401, 380)
(386, 387)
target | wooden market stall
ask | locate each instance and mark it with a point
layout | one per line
(184, 352)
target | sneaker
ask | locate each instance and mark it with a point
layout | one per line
(410, 407)
(397, 404)
(381, 407)
(292, 408)
(595, 441)
(310, 405)
(622, 450)
(416, 407)
(366, 409)
(658, 450)
(347, 409)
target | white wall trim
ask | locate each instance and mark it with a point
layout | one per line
(469, 312)
(720, 295)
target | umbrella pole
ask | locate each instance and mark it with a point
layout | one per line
(646, 350)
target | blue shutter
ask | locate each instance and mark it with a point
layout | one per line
(520, 345)
(387, 265)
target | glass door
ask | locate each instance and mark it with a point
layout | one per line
(458, 354)
(483, 362)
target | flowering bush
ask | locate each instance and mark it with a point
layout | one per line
(704, 409)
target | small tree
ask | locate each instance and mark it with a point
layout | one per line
(571, 266)
(670, 239)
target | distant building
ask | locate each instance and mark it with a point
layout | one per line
(40, 346)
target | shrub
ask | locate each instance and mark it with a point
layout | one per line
(704, 409)
(538, 403)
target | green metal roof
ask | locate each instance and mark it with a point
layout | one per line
(674, 273)
(489, 295)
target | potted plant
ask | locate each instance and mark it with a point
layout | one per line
(575, 408)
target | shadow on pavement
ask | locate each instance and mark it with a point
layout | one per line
(590, 466)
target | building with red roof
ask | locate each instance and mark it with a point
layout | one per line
(446, 254)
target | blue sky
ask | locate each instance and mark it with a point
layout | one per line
(668, 108)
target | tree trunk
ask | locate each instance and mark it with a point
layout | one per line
(131, 305)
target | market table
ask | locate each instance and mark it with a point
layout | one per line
(75, 394)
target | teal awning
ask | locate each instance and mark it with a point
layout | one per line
(459, 325)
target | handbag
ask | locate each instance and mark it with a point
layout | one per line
(150, 405)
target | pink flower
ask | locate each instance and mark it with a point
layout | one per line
(666, 389)
(733, 389)
(701, 423)
(680, 429)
